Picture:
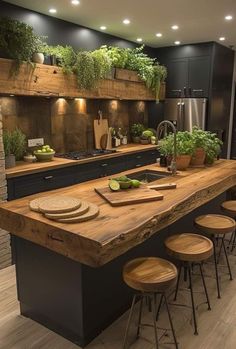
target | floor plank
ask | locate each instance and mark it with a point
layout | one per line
(216, 327)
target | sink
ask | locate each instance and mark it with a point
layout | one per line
(148, 176)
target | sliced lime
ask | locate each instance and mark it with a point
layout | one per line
(114, 185)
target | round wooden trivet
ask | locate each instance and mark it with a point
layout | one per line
(92, 213)
(59, 204)
(34, 204)
(79, 211)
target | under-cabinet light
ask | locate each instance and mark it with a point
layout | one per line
(52, 10)
(126, 21)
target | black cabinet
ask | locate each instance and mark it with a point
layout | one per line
(188, 77)
(63, 177)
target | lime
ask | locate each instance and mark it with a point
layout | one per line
(135, 183)
(114, 185)
(122, 178)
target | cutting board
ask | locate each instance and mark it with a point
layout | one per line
(100, 128)
(129, 196)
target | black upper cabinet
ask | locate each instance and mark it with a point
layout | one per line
(188, 77)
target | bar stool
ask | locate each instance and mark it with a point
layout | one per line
(190, 249)
(217, 226)
(149, 277)
(229, 208)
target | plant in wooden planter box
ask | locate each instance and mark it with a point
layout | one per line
(14, 146)
(136, 132)
(18, 41)
(63, 56)
(102, 64)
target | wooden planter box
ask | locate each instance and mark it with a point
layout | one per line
(128, 75)
(46, 80)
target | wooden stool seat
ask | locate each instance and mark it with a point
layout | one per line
(149, 274)
(229, 207)
(215, 224)
(189, 247)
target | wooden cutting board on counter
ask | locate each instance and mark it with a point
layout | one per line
(100, 128)
(129, 196)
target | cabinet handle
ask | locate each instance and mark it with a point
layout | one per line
(138, 157)
(48, 177)
(199, 90)
(185, 91)
(138, 165)
(104, 165)
(176, 91)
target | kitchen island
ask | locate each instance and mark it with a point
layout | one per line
(69, 276)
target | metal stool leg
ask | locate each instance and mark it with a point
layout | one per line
(129, 321)
(139, 317)
(233, 243)
(192, 299)
(159, 307)
(171, 323)
(216, 268)
(227, 260)
(177, 285)
(154, 319)
(204, 285)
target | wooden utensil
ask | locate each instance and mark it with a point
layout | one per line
(109, 139)
(103, 141)
(129, 196)
(100, 128)
(92, 213)
(163, 186)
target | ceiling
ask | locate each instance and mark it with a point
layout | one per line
(198, 20)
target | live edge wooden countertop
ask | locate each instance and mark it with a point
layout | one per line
(24, 168)
(116, 229)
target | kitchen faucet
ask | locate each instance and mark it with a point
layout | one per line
(159, 129)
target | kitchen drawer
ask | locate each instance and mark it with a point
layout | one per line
(36, 183)
(142, 159)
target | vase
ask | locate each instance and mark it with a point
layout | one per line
(198, 158)
(183, 162)
(10, 161)
(38, 57)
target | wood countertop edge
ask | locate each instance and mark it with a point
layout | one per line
(166, 218)
(94, 253)
(28, 168)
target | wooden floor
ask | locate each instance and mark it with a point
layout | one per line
(217, 328)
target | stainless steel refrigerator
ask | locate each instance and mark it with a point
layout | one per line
(186, 112)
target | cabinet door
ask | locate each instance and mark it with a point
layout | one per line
(198, 76)
(177, 78)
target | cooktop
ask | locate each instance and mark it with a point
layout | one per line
(78, 155)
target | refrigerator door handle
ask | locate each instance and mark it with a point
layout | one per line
(179, 112)
(182, 116)
(204, 114)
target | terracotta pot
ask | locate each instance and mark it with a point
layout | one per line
(10, 161)
(38, 57)
(198, 157)
(183, 161)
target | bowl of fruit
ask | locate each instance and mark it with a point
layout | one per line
(46, 153)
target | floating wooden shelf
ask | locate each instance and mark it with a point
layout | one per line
(46, 80)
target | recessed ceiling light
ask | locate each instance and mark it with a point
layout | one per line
(103, 27)
(177, 42)
(139, 39)
(175, 27)
(53, 10)
(75, 2)
(126, 21)
(222, 38)
(228, 17)
(159, 35)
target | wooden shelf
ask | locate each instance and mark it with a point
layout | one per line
(46, 80)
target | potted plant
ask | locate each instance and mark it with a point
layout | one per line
(14, 146)
(136, 132)
(39, 48)
(17, 41)
(213, 148)
(200, 141)
(184, 148)
(63, 56)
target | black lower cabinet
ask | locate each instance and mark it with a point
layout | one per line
(53, 179)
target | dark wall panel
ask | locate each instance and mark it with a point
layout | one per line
(60, 32)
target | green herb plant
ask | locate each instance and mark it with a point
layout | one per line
(14, 143)
(137, 130)
(184, 144)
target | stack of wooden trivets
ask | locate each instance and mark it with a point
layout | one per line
(64, 209)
